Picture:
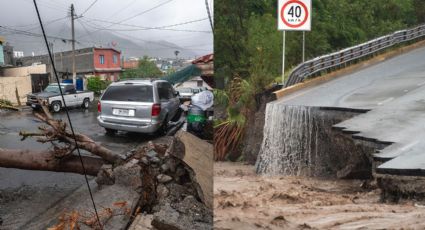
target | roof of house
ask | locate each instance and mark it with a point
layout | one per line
(106, 48)
(204, 59)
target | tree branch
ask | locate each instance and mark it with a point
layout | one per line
(46, 161)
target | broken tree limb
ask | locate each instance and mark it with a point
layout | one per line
(46, 161)
(58, 132)
(61, 157)
(4, 106)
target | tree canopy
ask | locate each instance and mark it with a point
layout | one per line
(248, 44)
(145, 69)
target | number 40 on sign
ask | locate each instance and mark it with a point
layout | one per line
(294, 15)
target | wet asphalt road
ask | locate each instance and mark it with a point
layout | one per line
(25, 193)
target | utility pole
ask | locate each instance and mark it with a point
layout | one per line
(283, 59)
(74, 74)
(52, 77)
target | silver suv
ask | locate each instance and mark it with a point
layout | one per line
(143, 106)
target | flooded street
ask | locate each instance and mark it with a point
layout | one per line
(244, 200)
(25, 194)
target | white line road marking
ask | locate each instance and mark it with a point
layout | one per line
(386, 100)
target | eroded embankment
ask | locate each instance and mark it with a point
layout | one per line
(300, 141)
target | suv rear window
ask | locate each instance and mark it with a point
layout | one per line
(139, 93)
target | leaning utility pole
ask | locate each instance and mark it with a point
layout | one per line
(52, 78)
(74, 74)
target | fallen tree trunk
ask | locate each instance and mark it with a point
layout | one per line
(59, 132)
(60, 158)
(45, 161)
(4, 106)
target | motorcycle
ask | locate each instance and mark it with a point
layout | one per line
(199, 113)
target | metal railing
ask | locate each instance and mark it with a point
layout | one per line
(326, 62)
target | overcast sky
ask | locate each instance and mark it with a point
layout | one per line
(21, 15)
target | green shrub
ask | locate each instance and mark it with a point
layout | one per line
(96, 84)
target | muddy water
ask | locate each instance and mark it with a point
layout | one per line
(245, 200)
(300, 141)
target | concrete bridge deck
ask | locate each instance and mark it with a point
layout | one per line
(394, 92)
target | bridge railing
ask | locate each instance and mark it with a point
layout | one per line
(339, 58)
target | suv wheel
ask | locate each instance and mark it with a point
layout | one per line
(110, 131)
(86, 103)
(56, 106)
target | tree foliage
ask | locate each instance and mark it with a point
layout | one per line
(96, 84)
(248, 44)
(145, 69)
(248, 47)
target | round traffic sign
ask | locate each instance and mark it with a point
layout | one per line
(294, 13)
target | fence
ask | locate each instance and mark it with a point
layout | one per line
(336, 59)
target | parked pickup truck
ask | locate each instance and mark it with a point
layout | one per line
(51, 96)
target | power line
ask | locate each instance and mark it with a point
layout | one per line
(147, 41)
(125, 7)
(88, 8)
(146, 11)
(49, 6)
(126, 19)
(67, 113)
(88, 32)
(209, 15)
(36, 25)
(164, 27)
(27, 33)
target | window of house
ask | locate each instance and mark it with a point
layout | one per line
(115, 59)
(102, 59)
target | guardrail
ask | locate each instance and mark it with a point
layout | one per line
(325, 62)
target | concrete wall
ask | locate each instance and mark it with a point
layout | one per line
(63, 61)
(24, 71)
(9, 84)
(19, 77)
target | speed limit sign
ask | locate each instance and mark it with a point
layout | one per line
(294, 15)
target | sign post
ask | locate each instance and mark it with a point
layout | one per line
(293, 15)
(303, 46)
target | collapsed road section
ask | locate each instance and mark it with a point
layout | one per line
(388, 138)
(159, 186)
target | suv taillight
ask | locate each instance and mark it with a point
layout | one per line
(99, 107)
(156, 110)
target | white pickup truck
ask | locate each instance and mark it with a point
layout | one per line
(51, 96)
